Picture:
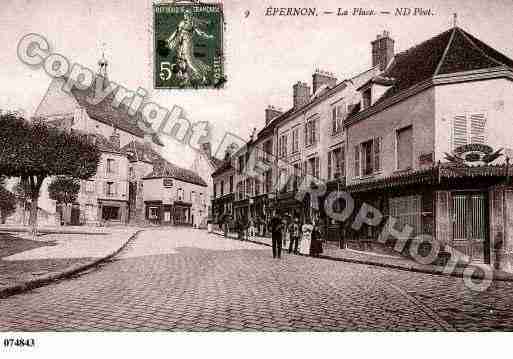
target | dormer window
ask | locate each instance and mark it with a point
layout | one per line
(367, 98)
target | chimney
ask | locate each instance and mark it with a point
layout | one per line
(270, 113)
(382, 50)
(115, 139)
(301, 94)
(207, 149)
(320, 78)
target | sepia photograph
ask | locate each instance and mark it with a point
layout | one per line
(189, 176)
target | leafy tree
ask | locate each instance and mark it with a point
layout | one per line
(33, 151)
(64, 190)
(7, 202)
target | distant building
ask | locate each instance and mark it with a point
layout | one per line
(133, 183)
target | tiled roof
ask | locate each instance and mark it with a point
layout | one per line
(105, 145)
(452, 51)
(161, 167)
(106, 113)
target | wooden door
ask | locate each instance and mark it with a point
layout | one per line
(470, 225)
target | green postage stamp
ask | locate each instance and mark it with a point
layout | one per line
(188, 46)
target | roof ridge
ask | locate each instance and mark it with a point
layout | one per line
(411, 48)
(446, 50)
(478, 48)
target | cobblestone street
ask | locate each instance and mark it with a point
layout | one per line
(186, 279)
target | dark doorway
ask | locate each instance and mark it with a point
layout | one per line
(470, 225)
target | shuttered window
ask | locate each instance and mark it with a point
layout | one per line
(330, 155)
(377, 152)
(407, 210)
(468, 128)
(477, 128)
(357, 161)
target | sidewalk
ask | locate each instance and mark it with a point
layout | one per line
(332, 251)
(58, 252)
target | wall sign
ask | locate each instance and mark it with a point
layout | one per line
(473, 154)
(168, 182)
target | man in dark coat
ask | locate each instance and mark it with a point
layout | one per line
(275, 228)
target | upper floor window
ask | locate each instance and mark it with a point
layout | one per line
(268, 181)
(110, 189)
(282, 146)
(336, 163)
(314, 167)
(367, 98)
(404, 148)
(241, 164)
(249, 187)
(111, 165)
(268, 150)
(179, 194)
(222, 188)
(468, 128)
(311, 132)
(338, 114)
(215, 190)
(89, 186)
(295, 139)
(231, 184)
(297, 174)
(367, 157)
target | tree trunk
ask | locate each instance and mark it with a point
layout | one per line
(33, 216)
(35, 185)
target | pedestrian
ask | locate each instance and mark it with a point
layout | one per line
(285, 231)
(275, 229)
(294, 235)
(252, 229)
(306, 237)
(316, 243)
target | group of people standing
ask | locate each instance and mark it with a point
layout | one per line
(304, 239)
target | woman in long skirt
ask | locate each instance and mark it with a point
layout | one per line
(306, 238)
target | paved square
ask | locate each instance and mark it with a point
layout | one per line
(185, 279)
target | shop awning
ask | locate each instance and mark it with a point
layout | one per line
(433, 175)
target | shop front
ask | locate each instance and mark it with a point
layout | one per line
(467, 209)
(111, 211)
(177, 213)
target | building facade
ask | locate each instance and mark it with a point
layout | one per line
(134, 183)
(423, 136)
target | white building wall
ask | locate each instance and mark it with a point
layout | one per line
(492, 97)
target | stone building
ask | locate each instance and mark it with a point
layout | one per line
(133, 183)
(421, 145)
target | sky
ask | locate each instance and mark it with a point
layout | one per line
(265, 55)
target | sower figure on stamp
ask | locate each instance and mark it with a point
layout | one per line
(276, 228)
(182, 42)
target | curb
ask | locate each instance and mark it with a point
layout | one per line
(68, 272)
(387, 265)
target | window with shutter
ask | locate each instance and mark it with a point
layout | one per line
(334, 120)
(330, 154)
(342, 159)
(357, 161)
(477, 128)
(377, 152)
(459, 131)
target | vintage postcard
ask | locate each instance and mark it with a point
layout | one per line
(294, 166)
(188, 50)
